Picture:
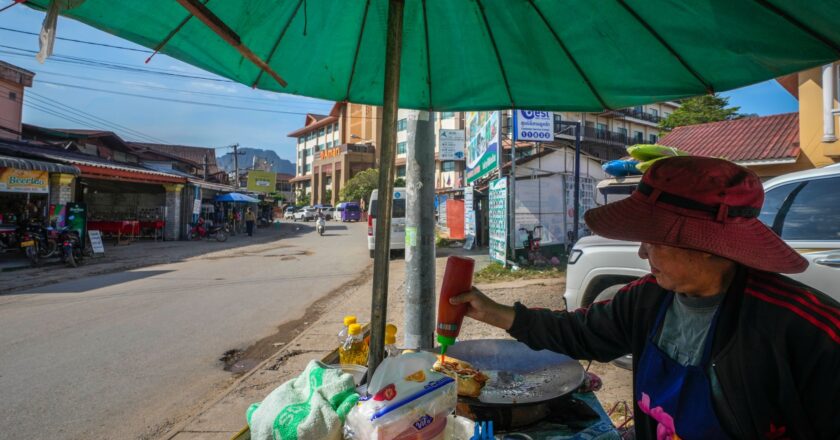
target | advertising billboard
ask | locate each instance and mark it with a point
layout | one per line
(483, 144)
(23, 181)
(262, 181)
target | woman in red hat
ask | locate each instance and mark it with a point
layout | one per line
(723, 346)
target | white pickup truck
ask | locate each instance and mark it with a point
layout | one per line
(802, 207)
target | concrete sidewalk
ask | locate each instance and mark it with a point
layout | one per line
(224, 417)
(137, 254)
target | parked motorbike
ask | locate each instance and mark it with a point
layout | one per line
(200, 231)
(9, 238)
(320, 225)
(72, 247)
(39, 242)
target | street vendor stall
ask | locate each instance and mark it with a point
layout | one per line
(491, 54)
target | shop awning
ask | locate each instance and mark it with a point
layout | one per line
(36, 165)
(236, 198)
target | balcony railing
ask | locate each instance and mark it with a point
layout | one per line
(645, 116)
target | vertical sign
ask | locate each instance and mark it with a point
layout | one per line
(451, 145)
(498, 219)
(469, 213)
(96, 242)
(532, 125)
(483, 144)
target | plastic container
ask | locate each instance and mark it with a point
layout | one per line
(353, 350)
(457, 279)
(357, 371)
(342, 335)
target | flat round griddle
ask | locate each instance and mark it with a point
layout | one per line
(518, 375)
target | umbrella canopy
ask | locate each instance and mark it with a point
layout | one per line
(575, 55)
(236, 198)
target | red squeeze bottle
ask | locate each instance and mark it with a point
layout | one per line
(457, 279)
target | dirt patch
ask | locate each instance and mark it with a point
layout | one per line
(245, 360)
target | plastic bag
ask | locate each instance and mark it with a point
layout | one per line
(406, 400)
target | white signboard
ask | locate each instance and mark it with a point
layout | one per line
(197, 206)
(96, 242)
(469, 212)
(498, 219)
(532, 125)
(451, 144)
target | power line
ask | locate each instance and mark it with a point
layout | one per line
(56, 114)
(96, 119)
(92, 43)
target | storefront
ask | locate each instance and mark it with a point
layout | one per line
(200, 200)
(30, 190)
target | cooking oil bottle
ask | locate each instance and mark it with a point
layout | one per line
(353, 350)
(342, 335)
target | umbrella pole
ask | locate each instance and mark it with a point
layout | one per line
(382, 252)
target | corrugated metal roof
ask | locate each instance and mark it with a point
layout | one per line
(195, 155)
(37, 165)
(740, 140)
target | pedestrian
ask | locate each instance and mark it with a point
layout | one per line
(723, 345)
(250, 219)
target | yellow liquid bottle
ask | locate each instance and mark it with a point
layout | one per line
(353, 350)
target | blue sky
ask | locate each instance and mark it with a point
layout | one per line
(188, 123)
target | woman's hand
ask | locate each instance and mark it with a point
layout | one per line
(484, 309)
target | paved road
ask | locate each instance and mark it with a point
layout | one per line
(115, 356)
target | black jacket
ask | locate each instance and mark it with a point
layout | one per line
(776, 350)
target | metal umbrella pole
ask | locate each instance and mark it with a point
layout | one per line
(379, 297)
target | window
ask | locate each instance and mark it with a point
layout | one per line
(13, 96)
(654, 112)
(652, 138)
(447, 115)
(401, 171)
(601, 130)
(321, 132)
(638, 137)
(448, 165)
(804, 210)
(397, 208)
(639, 109)
(308, 167)
(665, 115)
(329, 144)
(309, 151)
(558, 127)
(329, 129)
(401, 148)
(402, 124)
(301, 140)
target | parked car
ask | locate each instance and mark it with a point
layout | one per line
(397, 220)
(289, 213)
(802, 207)
(348, 211)
(305, 214)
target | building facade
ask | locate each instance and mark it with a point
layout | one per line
(13, 81)
(817, 90)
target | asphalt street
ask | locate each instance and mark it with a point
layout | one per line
(127, 355)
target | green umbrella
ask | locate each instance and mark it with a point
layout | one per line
(574, 55)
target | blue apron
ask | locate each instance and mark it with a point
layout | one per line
(678, 397)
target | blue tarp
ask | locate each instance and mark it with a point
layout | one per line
(236, 198)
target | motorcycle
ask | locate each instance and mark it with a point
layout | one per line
(39, 242)
(71, 246)
(320, 225)
(9, 238)
(200, 231)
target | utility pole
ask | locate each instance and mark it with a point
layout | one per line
(236, 165)
(420, 232)
(512, 183)
(205, 167)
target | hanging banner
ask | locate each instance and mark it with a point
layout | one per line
(469, 212)
(262, 181)
(483, 145)
(24, 181)
(498, 202)
(451, 145)
(532, 125)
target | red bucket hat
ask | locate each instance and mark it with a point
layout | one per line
(700, 203)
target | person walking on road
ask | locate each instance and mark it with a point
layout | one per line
(250, 219)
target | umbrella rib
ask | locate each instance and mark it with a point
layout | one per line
(496, 51)
(708, 86)
(801, 26)
(356, 53)
(277, 43)
(570, 56)
(197, 9)
(428, 56)
(171, 34)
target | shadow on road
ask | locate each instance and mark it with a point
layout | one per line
(87, 284)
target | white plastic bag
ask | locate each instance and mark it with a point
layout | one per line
(406, 399)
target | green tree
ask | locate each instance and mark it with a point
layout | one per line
(327, 196)
(360, 186)
(399, 182)
(699, 110)
(302, 198)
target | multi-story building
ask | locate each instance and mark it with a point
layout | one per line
(332, 148)
(13, 81)
(347, 138)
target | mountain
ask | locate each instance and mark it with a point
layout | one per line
(246, 160)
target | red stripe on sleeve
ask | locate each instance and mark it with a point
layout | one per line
(793, 308)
